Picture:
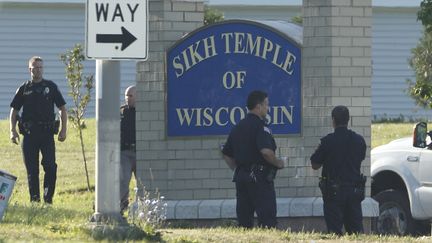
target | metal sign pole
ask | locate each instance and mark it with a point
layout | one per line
(115, 29)
(107, 205)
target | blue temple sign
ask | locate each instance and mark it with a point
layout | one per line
(211, 71)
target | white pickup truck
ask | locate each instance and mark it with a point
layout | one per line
(401, 174)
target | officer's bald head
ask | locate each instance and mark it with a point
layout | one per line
(130, 96)
(34, 59)
(340, 116)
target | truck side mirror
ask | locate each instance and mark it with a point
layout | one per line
(419, 135)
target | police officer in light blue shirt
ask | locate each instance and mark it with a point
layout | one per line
(250, 151)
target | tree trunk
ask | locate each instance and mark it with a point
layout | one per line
(84, 158)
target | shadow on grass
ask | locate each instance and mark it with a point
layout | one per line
(200, 223)
(77, 190)
(124, 233)
(38, 214)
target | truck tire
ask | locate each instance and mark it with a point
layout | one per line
(394, 214)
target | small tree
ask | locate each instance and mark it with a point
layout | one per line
(297, 20)
(421, 61)
(74, 73)
(212, 16)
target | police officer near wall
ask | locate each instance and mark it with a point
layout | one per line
(38, 126)
(342, 185)
(127, 141)
(250, 152)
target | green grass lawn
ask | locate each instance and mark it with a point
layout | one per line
(72, 203)
(383, 133)
(67, 218)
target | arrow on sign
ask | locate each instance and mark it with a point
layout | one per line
(125, 38)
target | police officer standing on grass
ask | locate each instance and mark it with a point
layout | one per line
(343, 186)
(37, 125)
(250, 151)
(127, 141)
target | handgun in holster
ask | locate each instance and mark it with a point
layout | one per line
(56, 126)
(23, 127)
(271, 173)
(329, 188)
(360, 187)
(268, 171)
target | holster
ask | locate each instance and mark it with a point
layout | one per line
(329, 188)
(21, 127)
(270, 173)
(56, 126)
(24, 127)
(360, 187)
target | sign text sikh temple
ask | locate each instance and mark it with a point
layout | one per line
(211, 71)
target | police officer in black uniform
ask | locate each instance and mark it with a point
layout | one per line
(128, 148)
(37, 124)
(250, 151)
(340, 154)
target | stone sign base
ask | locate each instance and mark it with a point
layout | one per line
(295, 214)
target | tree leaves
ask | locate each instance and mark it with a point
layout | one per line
(212, 16)
(72, 60)
(421, 60)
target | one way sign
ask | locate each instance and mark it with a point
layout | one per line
(116, 29)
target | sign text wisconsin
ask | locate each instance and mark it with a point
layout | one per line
(211, 71)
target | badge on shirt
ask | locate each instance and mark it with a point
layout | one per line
(46, 91)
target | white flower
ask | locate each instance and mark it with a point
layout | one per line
(149, 210)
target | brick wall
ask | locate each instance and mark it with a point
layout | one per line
(179, 168)
(337, 67)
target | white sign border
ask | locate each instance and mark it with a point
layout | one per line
(117, 58)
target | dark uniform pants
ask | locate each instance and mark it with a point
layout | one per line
(259, 197)
(344, 209)
(43, 141)
(127, 167)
